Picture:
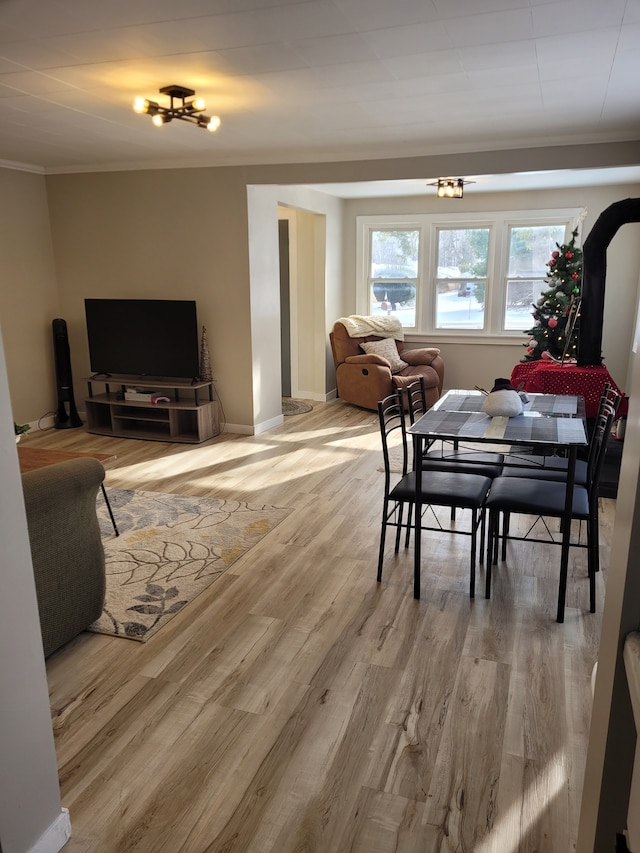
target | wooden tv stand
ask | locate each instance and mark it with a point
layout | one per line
(191, 417)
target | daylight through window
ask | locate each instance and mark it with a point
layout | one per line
(475, 274)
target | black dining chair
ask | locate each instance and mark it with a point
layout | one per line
(450, 458)
(439, 489)
(553, 467)
(543, 499)
(416, 399)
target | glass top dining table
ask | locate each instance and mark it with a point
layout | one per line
(548, 420)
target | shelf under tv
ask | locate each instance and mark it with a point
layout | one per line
(190, 417)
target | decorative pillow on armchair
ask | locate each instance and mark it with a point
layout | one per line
(387, 349)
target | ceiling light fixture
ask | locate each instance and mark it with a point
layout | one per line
(450, 187)
(180, 108)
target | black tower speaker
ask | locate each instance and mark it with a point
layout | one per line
(66, 415)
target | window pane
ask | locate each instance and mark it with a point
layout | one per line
(521, 295)
(462, 263)
(396, 297)
(530, 248)
(460, 305)
(394, 272)
(394, 254)
(462, 252)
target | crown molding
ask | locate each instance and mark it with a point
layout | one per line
(21, 167)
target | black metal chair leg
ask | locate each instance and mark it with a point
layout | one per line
(407, 538)
(106, 500)
(495, 537)
(474, 537)
(400, 516)
(593, 558)
(491, 551)
(506, 518)
(383, 535)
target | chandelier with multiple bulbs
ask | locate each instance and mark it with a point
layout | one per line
(180, 108)
(450, 187)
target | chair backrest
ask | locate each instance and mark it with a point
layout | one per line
(598, 447)
(416, 399)
(610, 398)
(392, 420)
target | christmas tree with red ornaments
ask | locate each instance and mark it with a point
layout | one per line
(556, 313)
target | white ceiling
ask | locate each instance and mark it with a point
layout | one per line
(315, 80)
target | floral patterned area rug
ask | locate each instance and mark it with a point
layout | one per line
(170, 548)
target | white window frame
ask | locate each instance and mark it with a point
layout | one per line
(364, 226)
(433, 273)
(369, 252)
(499, 222)
(508, 225)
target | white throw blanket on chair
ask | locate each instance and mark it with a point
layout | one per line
(358, 326)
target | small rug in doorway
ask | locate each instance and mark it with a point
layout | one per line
(294, 407)
(170, 548)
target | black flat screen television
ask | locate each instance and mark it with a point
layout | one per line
(143, 337)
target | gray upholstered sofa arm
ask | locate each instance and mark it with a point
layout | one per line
(66, 547)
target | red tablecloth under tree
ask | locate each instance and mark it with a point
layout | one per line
(545, 377)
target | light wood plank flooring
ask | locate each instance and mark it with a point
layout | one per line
(297, 705)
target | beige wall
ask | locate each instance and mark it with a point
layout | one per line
(175, 234)
(332, 293)
(317, 277)
(264, 328)
(28, 294)
(191, 234)
(467, 365)
(310, 252)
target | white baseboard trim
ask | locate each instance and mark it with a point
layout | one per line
(267, 425)
(238, 429)
(313, 395)
(56, 836)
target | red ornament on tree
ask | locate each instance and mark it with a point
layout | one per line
(553, 322)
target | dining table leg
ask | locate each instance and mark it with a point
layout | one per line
(417, 512)
(566, 531)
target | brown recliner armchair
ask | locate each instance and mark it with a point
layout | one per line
(365, 378)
